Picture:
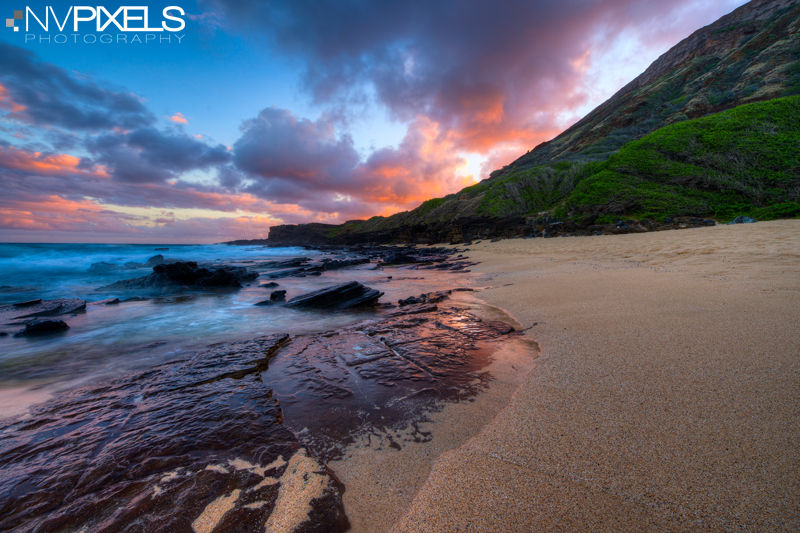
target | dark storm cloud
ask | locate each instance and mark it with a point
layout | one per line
(148, 155)
(43, 94)
(486, 71)
(277, 145)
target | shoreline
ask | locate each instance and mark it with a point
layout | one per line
(381, 480)
(432, 367)
(664, 397)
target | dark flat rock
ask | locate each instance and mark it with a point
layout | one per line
(152, 451)
(382, 374)
(37, 308)
(345, 296)
(42, 326)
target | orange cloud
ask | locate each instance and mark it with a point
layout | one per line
(179, 118)
(7, 103)
(45, 164)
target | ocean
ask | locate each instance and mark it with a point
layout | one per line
(108, 340)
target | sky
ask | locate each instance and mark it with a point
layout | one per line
(242, 114)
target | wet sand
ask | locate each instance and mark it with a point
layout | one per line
(666, 396)
(383, 471)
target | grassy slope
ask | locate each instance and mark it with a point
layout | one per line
(744, 161)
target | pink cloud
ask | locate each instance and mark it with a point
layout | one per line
(179, 119)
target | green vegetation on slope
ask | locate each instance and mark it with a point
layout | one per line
(744, 161)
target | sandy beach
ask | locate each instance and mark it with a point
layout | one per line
(666, 396)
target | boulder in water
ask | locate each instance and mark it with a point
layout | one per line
(278, 296)
(187, 274)
(42, 326)
(345, 296)
(155, 260)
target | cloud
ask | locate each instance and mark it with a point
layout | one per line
(178, 118)
(40, 93)
(291, 160)
(491, 75)
(149, 155)
(47, 164)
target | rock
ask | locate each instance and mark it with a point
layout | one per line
(37, 308)
(278, 296)
(427, 298)
(378, 377)
(161, 449)
(344, 263)
(155, 260)
(28, 303)
(107, 301)
(265, 303)
(285, 263)
(42, 326)
(269, 285)
(187, 274)
(130, 265)
(496, 239)
(161, 249)
(399, 259)
(285, 273)
(742, 220)
(345, 296)
(3, 334)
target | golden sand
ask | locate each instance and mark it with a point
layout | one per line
(666, 398)
(303, 481)
(214, 511)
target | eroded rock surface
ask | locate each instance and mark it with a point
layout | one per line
(381, 374)
(344, 296)
(192, 445)
(24, 312)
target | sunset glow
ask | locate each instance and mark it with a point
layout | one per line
(330, 114)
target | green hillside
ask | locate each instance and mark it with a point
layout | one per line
(749, 55)
(744, 161)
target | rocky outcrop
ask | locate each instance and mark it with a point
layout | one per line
(21, 313)
(380, 375)
(42, 326)
(278, 296)
(345, 296)
(465, 230)
(186, 274)
(193, 445)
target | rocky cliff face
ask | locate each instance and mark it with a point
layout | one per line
(746, 56)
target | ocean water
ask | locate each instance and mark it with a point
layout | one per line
(107, 340)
